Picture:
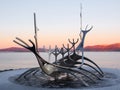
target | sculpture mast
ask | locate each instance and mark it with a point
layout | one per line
(80, 21)
(80, 16)
(35, 28)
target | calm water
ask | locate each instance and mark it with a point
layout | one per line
(15, 60)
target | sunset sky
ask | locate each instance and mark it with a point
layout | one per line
(59, 20)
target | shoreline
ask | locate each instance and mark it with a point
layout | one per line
(5, 70)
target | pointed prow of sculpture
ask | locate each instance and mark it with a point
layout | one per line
(81, 45)
(84, 32)
(82, 37)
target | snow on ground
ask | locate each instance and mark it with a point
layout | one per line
(6, 84)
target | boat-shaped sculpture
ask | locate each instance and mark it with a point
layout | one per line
(71, 65)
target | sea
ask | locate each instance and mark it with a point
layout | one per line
(18, 60)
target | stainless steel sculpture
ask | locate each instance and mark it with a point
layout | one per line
(78, 67)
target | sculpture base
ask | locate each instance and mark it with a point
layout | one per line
(68, 82)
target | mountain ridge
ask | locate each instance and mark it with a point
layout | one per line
(109, 47)
(18, 49)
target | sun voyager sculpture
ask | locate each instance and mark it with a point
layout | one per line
(71, 70)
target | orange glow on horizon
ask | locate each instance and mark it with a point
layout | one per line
(92, 38)
(9, 43)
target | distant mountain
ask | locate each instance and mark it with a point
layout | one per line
(14, 49)
(111, 47)
(17, 49)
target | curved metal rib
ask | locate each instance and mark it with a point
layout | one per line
(87, 59)
(91, 67)
(90, 73)
(25, 73)
(65, 62)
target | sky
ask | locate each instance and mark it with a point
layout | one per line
(59, 20)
